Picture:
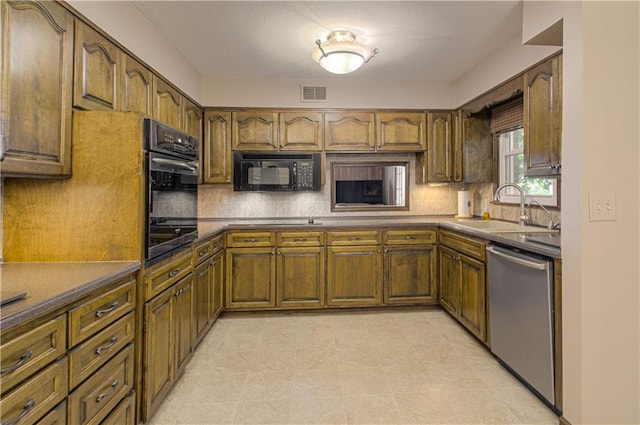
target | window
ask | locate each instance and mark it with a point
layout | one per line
(511, 170)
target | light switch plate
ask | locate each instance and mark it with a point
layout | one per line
(602, 206)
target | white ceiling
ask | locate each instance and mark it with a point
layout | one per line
(417, 40)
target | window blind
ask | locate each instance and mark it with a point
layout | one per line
(508, 115)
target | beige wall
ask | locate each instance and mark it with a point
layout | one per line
(122, 21)
(601, 298)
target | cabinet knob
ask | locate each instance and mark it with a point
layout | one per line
(23, 359)
(173, 272)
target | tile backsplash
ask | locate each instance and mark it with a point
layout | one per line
(219, 201)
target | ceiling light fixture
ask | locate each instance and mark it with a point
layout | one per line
(341, 54)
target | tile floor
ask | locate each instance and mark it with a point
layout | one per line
(401, 367)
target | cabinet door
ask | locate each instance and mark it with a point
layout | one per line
(192, 119)
(410, 274)
(472, 296)
(201, 299)
(439, 147)
(158, 351)
(457, 145)
(449, 293)
(216, 152)
(216, 303)
(349, 131)
(96, 68)
(255, 131)
(301, 131)
(183, 324)
(167, 103)
(251, 278)
(401, 131)
(354, 276)
(36, 80)
(300, 281)
(543, 118)
(136, 88)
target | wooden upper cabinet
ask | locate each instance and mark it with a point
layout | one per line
(136, 90)
(97, 61)
(301, 131)
(440, 147)
(167, 103)
(216, 149)
(349, 131)
(255, 131)
(543, 118)
(36, 80)
(192, 119)
(401, 131)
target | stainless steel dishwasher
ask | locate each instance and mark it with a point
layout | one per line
(521, 316)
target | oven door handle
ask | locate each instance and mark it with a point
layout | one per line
(518, 260)
(179, 164)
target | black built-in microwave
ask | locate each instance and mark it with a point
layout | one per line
(276, 171)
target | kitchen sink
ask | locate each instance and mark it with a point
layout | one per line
(497, 226)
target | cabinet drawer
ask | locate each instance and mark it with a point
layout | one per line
(30, 352)
(409, 236)
(465, 244)
(300, 238)
(97, 396)
(250, 239)
(57, 416)
(166, 273)
(95, 352)
(352, 238)
(202, 251)
(125, 413)
(96, 314)
(218, 243)
(33, 399)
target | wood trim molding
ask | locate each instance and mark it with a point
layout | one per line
(564, 421)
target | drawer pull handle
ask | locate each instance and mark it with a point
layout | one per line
(354, 238)
(202, 253)
(299, 239)
(217, 245)
(101, 313)
(101, 350)
(173, 272)
(409, 238)
(25, 411)
(251, 240)
(114, 386)
(23, 359)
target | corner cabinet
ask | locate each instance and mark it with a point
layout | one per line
(543, 118)
(192, 119)
(410, 266)
(37, 82)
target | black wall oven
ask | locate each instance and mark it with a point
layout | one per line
(172, 190)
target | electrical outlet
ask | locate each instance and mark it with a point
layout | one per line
(602, 206)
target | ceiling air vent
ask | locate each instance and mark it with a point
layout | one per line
(314, 94)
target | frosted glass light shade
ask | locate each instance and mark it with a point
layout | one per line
(341, 54)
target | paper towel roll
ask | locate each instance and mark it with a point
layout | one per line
(464, 204)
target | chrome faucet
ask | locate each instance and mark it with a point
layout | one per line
(524, 218)
(551, 224)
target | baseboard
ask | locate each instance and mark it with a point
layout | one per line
(564, 421)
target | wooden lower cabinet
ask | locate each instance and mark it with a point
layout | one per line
(300, 277)
(125, 413)
(251, 278)
(201, 299)
(410, 274)
(463, 284)
(183, 322)
(354, 276)
(216, 303)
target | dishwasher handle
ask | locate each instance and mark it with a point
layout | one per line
(517, 260)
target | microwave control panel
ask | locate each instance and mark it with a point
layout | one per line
(304, 172)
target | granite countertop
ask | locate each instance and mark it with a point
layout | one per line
(515, 239)
(50, 286)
